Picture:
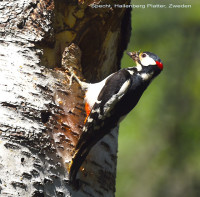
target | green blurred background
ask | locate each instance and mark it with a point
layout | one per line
(159, 141)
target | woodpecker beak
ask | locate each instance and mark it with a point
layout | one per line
(134, 55)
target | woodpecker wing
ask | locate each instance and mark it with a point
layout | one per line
(108, 97)
(98, 123)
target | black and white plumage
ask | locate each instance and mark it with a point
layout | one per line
(110, 100)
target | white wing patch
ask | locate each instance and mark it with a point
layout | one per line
(116, 97)
(123, 89)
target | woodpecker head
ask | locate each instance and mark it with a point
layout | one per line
(146, 59)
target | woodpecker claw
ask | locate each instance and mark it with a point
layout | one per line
(72, 75)
(70, 80)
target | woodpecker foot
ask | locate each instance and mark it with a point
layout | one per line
(83, 85)
(71, 79)
(72, 76)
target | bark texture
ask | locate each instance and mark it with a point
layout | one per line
(41, 116)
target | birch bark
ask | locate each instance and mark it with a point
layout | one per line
(41, 116)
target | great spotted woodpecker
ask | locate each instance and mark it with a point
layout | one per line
(110, 100)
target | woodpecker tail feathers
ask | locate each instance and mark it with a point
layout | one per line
(77, 161)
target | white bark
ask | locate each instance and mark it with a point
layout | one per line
(38, 111)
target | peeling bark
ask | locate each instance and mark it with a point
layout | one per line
(41, 116)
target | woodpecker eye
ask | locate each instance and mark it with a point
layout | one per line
(144, 55)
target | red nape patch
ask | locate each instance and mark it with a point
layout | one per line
(87, 109)
(159, 64)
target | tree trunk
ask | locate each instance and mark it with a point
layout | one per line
(41, 115)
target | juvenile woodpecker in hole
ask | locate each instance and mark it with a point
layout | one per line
(110, 100)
